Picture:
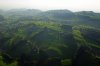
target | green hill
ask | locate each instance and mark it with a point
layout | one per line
(32, 37)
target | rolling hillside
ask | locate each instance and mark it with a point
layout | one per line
(31, 37)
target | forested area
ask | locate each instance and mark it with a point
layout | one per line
(30, 37)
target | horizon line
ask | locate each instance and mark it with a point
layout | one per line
(48, 9)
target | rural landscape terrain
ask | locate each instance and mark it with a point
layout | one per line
(31, 37)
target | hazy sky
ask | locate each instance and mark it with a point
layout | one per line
(74, 5)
